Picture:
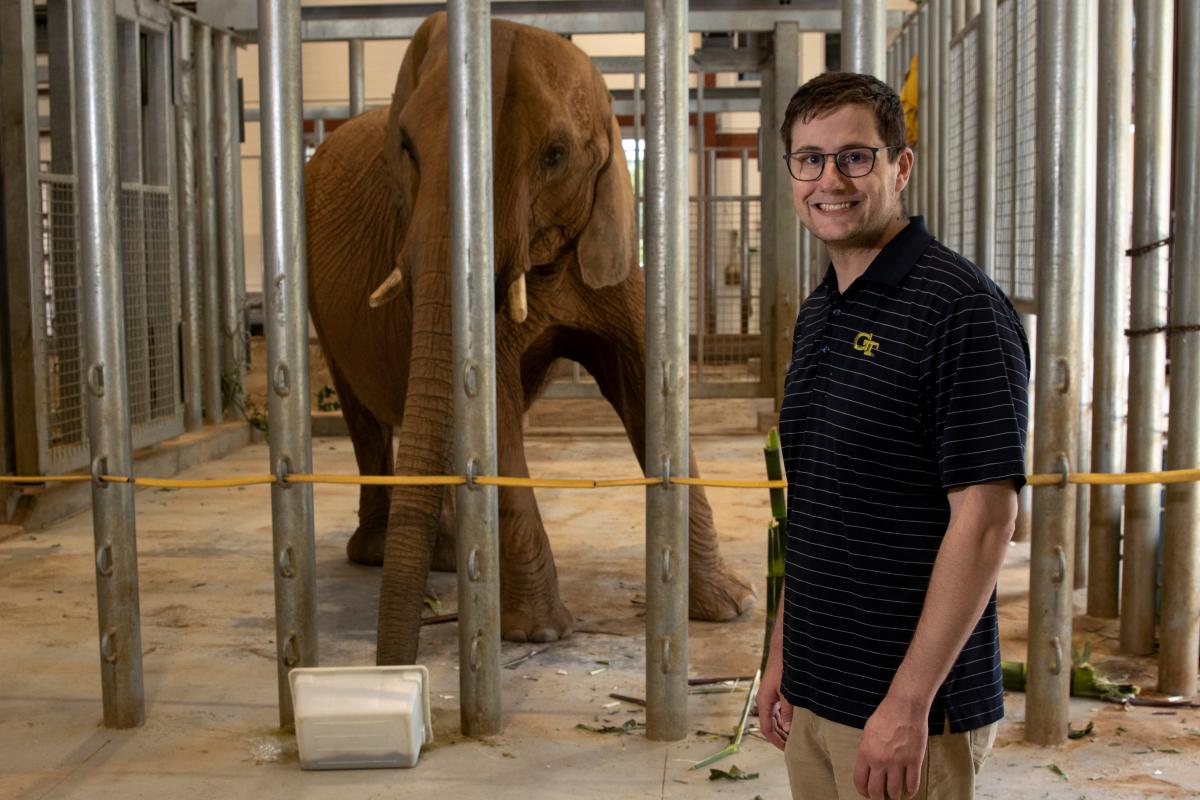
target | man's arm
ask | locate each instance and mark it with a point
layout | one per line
(774, 711)
(982, 518)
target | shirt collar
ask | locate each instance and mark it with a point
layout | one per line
(896, 258)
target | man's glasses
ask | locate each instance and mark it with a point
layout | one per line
(853, 162)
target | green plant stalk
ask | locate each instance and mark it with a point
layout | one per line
(738, 732)
(775, 538)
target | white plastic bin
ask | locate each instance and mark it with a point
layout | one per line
(361, 717)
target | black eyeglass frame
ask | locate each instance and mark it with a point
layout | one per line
(826, 156)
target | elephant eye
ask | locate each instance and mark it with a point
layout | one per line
(553, 156)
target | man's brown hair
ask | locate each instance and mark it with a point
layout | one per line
(830, 91)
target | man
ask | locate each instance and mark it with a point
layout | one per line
(903, 430)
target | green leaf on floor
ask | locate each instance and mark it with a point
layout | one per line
(1074, 734)
(734, 774)
(1057, 770)
(625, 727)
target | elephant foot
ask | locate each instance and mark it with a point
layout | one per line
(366, 545)
(535, 619)
(719, 596)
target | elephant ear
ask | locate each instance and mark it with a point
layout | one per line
(608, 245)
(406, 82)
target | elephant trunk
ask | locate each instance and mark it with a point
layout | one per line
(424, 448)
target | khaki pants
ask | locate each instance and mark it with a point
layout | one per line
(821, 756)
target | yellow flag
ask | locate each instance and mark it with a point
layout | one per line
(908, 97)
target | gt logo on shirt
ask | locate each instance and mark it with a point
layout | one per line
(865, 343)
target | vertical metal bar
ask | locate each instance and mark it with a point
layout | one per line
(744, 242)
(864, 37)
(942, 110)
(985, 139)
(228, 162)
(101, 290)
(189, 261)
(1060, 250)
(129, 103)
(1180, 640)
(285, 323)
(239, 221)
(711, 207)
(318, 131)
(638, 200)
(472, 263)
(206, 207)
(958, 17)
(62, 88)
(781, 228)
(358, 86)
(972, 10)
(926, 118)
(666, 368)
(702, 211)
(1147, 353)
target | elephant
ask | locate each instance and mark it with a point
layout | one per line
(568, 286)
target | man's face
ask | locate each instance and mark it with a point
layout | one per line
(841, 211)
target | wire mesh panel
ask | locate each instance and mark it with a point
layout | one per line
(1006, 128)
(161, 303)
(1024, 197)
(133, 255)
(969, 167)
(63, 442)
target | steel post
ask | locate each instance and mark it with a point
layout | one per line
(358, 86)
(958, 17)
(1147, 351)
(1060, 252)
(190, 281)
(1179, 642)
(926, 121)
(702, 231)
(638, 200)
(943, 32)
(318, 132)
(864, 37)
(102, 292)
(666, 251)
(228, 163)
(285, 323)
(206, 207)
(744, 244)
(972, 10)
(985, 139)
(239, 232)
(473, 265)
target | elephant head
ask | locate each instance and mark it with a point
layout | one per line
(562, 195)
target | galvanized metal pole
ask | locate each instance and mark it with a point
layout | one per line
(638, 200)
(941, 109)
(285, 323)
(472, 263)
(985, 138)
(102, 291)
(958, 17)
(358, 91)
(972, 10)
(1147, 351)
(228, 162)
(239, 231)
(1060, 250)
(701, 235)
(1179, 642)
(206, 206)
(926, 118)
(864, 37)
(744, 244)
(666, 251)
(191, 315)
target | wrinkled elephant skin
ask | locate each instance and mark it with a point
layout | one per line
(378, 209)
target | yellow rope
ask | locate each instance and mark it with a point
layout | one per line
(1045, 479)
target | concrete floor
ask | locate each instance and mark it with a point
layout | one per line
(208, 637)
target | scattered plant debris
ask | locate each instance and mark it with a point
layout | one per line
(734, 774)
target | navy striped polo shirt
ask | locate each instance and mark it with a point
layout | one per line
(911, 383)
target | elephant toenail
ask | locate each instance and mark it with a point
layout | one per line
(545, 635)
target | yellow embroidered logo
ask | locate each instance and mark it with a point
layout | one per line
(865, 343)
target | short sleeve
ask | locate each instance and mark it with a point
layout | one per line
(978, 392)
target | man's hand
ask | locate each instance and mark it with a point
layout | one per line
(892, 751)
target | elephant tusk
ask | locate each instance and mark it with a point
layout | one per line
(388, 289)
(518, 306)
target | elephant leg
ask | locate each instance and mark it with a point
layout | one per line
(715, 592)
(445, 557)
(373, 451)
(531, 609)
